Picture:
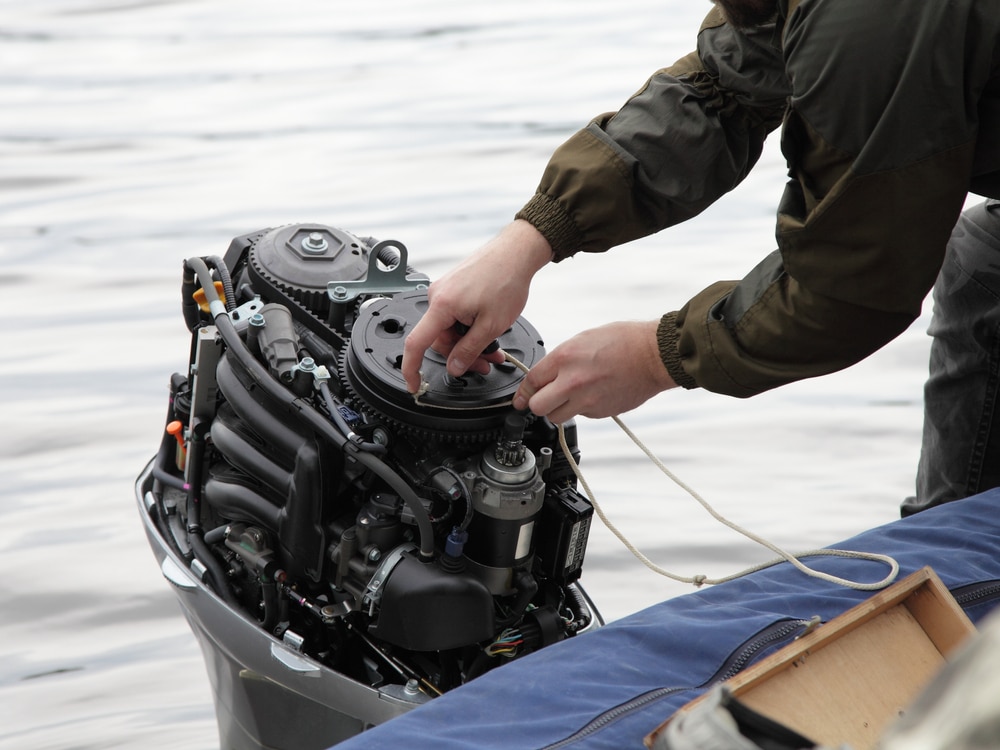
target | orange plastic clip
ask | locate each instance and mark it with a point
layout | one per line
(202, 300)
(176, 428)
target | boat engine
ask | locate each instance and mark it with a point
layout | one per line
(398, 541)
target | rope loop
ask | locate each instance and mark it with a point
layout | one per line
(699, 579)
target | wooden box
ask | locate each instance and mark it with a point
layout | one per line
(847, 680)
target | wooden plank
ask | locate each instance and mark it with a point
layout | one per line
(943, 619)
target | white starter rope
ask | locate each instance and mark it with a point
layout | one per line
(701, 579)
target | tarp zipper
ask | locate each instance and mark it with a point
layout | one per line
(976, 593)
(777, 633)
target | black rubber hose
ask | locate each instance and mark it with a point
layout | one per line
(189, 307)
(269, 595)
(161, 476)
(164, 477)
(227, 280)
(217, 535)
(195, 457)
(338, 418)
(213, 569)
(578, 605)
(217, 576)
(302, 410)
(581, 594)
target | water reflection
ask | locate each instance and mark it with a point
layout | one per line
(136, 134)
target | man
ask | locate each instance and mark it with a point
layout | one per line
(890, 115)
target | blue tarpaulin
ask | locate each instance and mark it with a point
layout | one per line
(609, 688)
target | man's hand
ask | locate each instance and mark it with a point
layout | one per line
(485, 293)
(602, 372)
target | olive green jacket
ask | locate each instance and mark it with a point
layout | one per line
(890, 114)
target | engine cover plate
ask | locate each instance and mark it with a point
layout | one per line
(469, 407)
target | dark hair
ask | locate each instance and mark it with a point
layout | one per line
(744, 14)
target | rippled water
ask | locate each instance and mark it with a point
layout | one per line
(136, 134)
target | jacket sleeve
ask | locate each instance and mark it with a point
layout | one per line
(880, 145)
(879, 141)
(691, 134)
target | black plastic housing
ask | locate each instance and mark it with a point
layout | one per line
(566, 517)
(425, 608)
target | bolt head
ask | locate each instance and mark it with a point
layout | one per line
(314, 243)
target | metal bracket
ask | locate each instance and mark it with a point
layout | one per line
(379, 280)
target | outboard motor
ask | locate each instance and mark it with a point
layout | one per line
(407, 545)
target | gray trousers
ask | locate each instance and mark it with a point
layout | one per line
(960, 453)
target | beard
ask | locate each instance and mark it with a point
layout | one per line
(744, 14)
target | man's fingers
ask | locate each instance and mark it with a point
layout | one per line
(425, 333)
(539, 379)
(468, 349)
(546, 402)
(477, 343)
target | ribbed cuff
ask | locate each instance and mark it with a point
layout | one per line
(545, 214)
(667, 337)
